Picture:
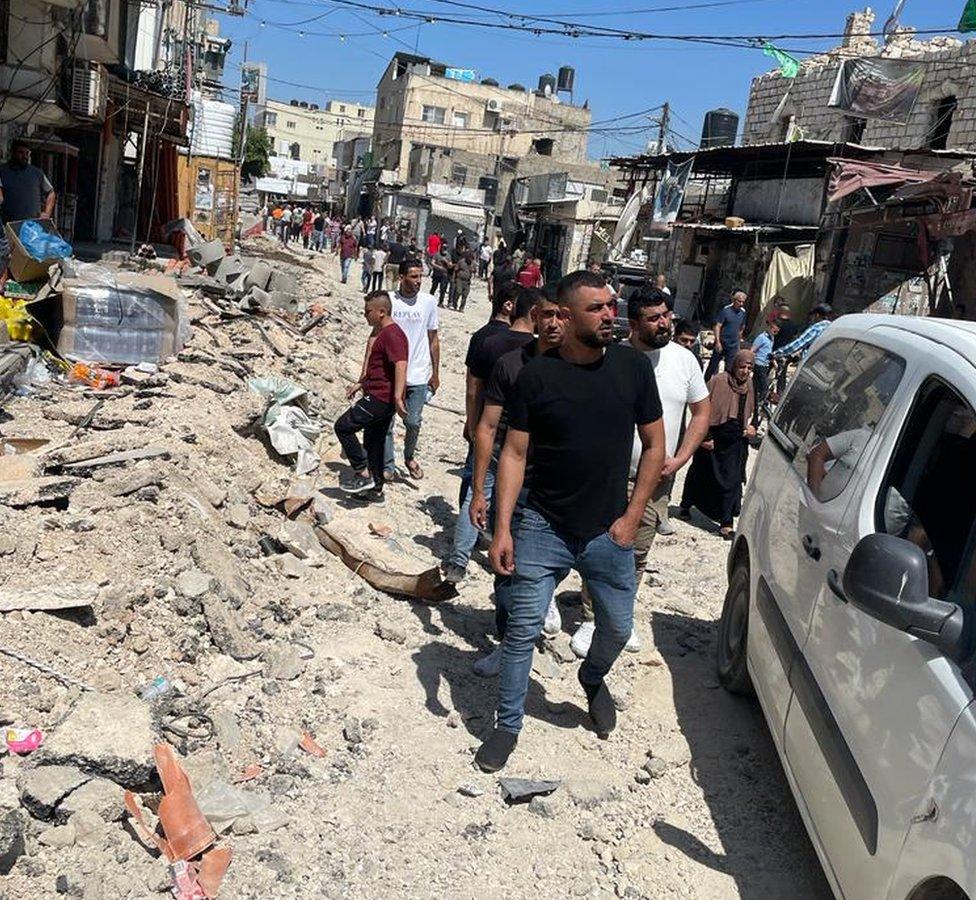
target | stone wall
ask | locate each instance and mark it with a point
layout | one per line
(775, 101)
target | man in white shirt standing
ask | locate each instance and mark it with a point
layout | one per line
(680, 384)
(416, 314)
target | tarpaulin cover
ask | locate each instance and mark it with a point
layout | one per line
(878, 88)
(788, 277)
(627, 223)
(290, 430)
(850, 176)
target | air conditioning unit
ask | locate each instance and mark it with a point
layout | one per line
(87, 89)
(493, 106)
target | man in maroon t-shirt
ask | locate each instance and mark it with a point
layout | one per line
(383, 383)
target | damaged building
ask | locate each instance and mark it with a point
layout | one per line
(107, 106)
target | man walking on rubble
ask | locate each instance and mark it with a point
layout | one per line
(579, 406)
(383, 383)
(488, 441)
(416, 313)
(680, 386)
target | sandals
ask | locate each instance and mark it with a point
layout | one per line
(413, 467)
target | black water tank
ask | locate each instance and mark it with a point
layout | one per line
(517, 87)
(719, 128)
(567, 74)
(489, 184)
(547, 81)
(490, 82)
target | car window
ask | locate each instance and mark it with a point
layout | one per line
(929, 495)
(832, 409)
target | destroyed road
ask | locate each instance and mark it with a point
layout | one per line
(154, 543)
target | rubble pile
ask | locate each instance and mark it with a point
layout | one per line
(163, 584)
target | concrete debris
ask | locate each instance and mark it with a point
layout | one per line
(42, 788)
(66, 595)
(225, 630)
(105, 734)
(12, 844)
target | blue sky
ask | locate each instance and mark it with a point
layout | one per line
(617, 77)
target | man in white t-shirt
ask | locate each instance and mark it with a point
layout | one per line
(831, 462)
(416, 314)
(680, 384)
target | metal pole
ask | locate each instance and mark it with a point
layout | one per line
(142, 166)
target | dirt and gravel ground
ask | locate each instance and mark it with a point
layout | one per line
(168, 548)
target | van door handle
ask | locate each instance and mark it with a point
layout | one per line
(810, 548)
(836, 588)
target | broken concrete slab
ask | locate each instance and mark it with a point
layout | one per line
(284, 663)
(258, 276)
(193, 583)
(42, 788)
(98, 795)
(225, 630)
(292, 567)
(61, 595)
(228, 268)
(105, 734)
(119, 459)
(50, 490)
(11, 839)
(283, 282)
(299, 538)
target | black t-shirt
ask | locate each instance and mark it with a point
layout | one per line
(397, 253)
(493, 326)
(787, 331)
(500, 389)
(581, 420)
(494, 347)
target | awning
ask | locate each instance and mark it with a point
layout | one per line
(849, 176)
(463, 213)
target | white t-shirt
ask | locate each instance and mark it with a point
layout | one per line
(416, 316)
(846, 447)
(679, 382)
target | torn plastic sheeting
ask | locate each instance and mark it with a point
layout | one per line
(290, 430)
(222, 804)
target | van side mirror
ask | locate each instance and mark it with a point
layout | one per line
(888, 578)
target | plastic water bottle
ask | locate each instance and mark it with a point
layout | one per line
(156, 688)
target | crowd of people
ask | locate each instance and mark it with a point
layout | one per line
(574, 440)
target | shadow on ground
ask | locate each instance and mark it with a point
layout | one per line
(439, 662)
(733, 761)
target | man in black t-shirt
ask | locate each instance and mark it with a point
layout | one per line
(495, 345)
(579, 406)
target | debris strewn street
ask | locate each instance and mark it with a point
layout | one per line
(168, 577)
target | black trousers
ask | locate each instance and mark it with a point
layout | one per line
(377, 280)
(439, 281)
(372, 417)
(760, 380)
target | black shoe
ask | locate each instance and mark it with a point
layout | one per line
(357, 484)
(371, 495)
(601, 708)
(495, 751)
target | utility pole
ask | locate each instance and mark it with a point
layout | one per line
(662, 131)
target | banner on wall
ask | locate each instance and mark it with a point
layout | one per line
(670, 193)
(878, 88)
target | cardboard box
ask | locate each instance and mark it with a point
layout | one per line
(22, 265)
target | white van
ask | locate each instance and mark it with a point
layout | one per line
(851, 605)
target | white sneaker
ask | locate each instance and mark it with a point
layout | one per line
(554, 621)
(633, 644)
(489, 666)
(580, 644)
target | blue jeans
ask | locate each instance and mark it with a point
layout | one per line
(415, 400)
(346, 265)
(465, 534)
(543, 558)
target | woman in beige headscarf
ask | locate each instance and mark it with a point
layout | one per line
(717, 473)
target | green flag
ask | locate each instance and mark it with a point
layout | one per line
(968, 20)
(788, 65)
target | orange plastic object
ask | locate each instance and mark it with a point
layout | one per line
(142, 830)
(93, 376)
(310, 746)
(187, 832)
(213, 868)
(250, 773)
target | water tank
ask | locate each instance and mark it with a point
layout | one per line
(567, 75)
(719, 128)
(547, 84)
(490, 82)
(517, 87)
